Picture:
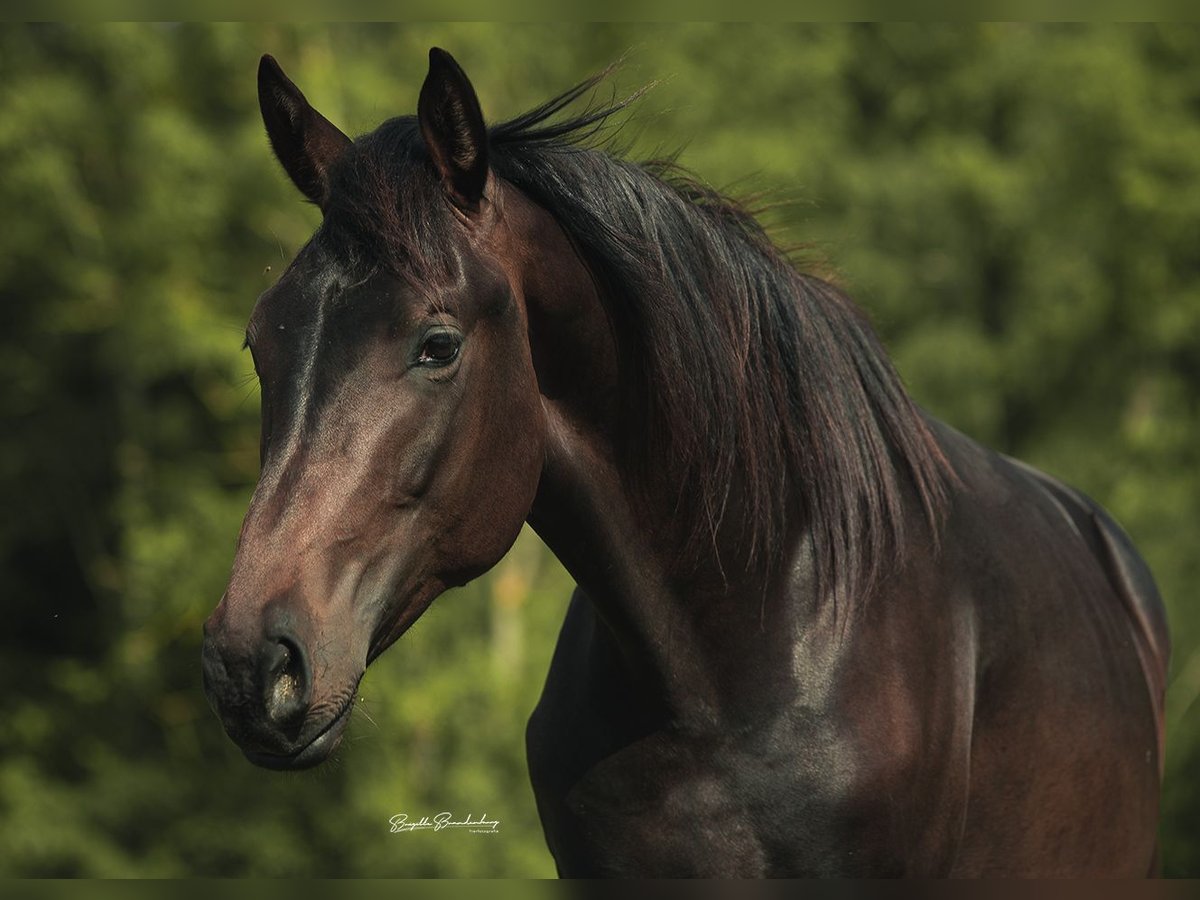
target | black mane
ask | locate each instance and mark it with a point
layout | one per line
(738, 372)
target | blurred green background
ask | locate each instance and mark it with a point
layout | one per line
(1017, 206)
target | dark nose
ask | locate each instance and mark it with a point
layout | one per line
(260, 691)
(287, 679)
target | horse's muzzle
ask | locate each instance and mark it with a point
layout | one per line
(262, 691)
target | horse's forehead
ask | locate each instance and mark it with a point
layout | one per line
(323, 291)
(294, 299)
(332, 286)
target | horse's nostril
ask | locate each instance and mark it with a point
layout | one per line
(287, 681)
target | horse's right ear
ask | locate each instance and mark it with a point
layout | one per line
(305, 142)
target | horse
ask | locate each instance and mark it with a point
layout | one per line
(816, 631)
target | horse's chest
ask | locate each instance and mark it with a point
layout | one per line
(680, 807)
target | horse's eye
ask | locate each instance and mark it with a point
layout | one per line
(440, 348)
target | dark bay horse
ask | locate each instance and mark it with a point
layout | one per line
(816, 631)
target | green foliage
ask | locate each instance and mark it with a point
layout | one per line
(1017, 206)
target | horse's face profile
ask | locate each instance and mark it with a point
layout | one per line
(401, 424)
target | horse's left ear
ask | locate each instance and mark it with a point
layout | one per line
(452, 126)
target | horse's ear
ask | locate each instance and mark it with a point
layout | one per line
(305, 142)
(452, 125)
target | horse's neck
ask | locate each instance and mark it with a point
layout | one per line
(675, 622)
(583, 515)
(700, 647)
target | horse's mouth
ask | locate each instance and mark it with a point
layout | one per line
(311, 754)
